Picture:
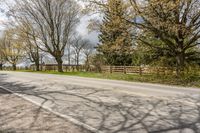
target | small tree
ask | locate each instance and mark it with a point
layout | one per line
(12, 47)
(88, 50)
(30, 44)
(78, 45)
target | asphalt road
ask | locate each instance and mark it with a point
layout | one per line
(111, 106)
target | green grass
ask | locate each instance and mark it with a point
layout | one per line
(189, 80)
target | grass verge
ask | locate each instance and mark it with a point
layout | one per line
(187, 81)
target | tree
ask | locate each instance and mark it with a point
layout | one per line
(175, 23)
(33, 53)
(69, 53)
(115, 37)
(53, 21)
(78, 45)
(98, 60)
(88, 50)
(11, 47)
(27, 34)
(2, 59)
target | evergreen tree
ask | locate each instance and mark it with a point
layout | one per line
(115, 34)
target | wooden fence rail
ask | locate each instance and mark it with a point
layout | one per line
(145, 70)
(113, 69)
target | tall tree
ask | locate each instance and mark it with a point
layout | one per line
(176, 23)
(115, 34)
(53, 21)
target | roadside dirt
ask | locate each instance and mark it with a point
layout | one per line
(20, 116)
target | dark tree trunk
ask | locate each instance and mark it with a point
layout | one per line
(180, 64)
(1, 66)
(37, 61)
(77, 62)
(60, 63)
(69, 56)
(14, 67)
(37, 64)
(87, 64)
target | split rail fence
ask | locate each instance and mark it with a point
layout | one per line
(113, 69)
(146, 70)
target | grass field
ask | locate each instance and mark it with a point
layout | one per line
(188, 81)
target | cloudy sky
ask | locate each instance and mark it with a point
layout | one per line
(82, 27)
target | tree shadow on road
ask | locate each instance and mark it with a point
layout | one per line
(114, 112)
(20, 116)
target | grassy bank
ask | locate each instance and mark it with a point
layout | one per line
(189, 80)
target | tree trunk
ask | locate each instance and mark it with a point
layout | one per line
(87, 64)
(69, 57)
(1, 66)
(37, 64)
(77, 62)
(180, 64)
(14, 67)
(60, 63)
(42, 63)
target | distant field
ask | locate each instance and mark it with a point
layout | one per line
(187, 81)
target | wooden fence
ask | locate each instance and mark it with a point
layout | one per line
(112, 69)
(54, 67)
(145, 70)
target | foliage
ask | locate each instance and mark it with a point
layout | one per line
(115, 37)
(11, 47)
(97, 60)
(174, 23)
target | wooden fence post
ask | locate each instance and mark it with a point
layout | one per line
(158, 71)
(124, 69)
(111, 71)
(140, 69)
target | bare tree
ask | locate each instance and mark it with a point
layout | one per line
(78, 45)
(88, 50)
(53, 21)
(30, 44)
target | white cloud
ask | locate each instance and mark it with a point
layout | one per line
(83, 30)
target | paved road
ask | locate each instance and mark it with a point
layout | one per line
(20, 116)
(112, 106)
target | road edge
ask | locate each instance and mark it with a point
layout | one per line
(70, 119)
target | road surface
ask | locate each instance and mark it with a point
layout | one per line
(111, 106)
(20, 116)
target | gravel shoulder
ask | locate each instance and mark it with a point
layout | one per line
(18, 115)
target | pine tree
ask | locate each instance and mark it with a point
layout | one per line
(115, 34)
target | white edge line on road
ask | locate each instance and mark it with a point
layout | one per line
(74, 121)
